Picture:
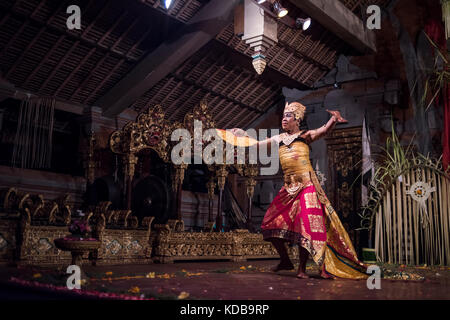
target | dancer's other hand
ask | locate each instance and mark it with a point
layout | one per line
(337, 115)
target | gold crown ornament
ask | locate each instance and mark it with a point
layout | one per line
(296, 108)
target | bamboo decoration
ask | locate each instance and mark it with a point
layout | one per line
(420, 192)
(34, 135)
(409, 207)
(401, 235)
(401, 190)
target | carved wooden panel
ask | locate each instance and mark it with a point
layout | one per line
(38, 247)
(124, 247)
(344, 148)
(238, 245)
(7, 240)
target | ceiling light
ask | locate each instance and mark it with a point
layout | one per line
(167, 3)
(279, 10)
(261, 1)
(303, 23)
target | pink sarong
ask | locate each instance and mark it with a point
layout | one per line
(299, 220)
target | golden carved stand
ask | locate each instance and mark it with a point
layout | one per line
(77, 248)
(237, 245)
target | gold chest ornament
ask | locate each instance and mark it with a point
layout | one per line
(289, 138)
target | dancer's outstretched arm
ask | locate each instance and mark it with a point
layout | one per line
(313, 135)
(239, 137)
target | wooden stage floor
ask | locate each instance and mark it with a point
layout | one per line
(223, 280)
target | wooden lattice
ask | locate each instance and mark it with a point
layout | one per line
(358, 7)
(235, 95)
(38, 53)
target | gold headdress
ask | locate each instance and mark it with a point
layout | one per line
(296, 108)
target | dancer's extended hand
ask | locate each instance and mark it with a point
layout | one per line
(337, 115)
(238, 132)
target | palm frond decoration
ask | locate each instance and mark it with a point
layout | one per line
(446, 16)
(394, 161)
(438, 77)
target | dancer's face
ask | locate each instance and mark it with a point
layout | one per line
(289, 123)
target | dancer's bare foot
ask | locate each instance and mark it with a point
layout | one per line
(324, 275)
(301, 271)
(302, 275)
(283, 266)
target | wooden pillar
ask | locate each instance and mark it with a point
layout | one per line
(211, 186)
(130, 165)
(250, 172)
(221, 174)
(250, 184)
(90, 163)
(177, 187)
(219, 213)
(179, 198)
(129, 191)
(249, 215)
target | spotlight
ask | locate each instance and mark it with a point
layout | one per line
(303, 23)
(279, 10)
(167, 3)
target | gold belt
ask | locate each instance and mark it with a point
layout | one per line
(293, 183)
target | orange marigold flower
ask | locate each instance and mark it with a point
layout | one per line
(183, 295)
(134, 290)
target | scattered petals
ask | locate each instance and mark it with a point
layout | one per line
(93, 293)
(189, 274)
(134, 290)
(183, 295)
(82, 282)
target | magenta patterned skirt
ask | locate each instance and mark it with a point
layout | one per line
(298, 219)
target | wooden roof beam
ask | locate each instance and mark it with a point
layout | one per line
(270, 74)
(8, 90)
(216, 93)
(337, 18)
(203, 27)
